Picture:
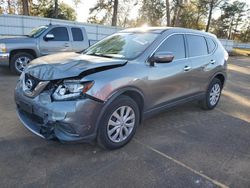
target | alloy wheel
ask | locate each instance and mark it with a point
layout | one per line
(21, 63)
(214, 94)
(121, 123)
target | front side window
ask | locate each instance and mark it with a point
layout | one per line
(122, 45)
(197, 45)
(77, 34)
(60, 34)
(174, 44)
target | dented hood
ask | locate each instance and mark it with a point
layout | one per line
(66, 65)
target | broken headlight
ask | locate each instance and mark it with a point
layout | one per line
(71, 89)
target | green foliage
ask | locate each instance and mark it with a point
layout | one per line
(193, 15)
(45, 8)
(244, 35)
(232, 17)
(101, 12)
(65, 12)
(151, 12)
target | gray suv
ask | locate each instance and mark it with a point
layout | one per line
(105, 92)
(43, 40)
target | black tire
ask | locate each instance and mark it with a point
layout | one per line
(14, 58)
(102, 138)
(206, 104)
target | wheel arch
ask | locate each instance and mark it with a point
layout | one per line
(131, 92)
(30, 51)
(219, 75)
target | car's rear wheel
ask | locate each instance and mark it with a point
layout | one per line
(119, 123)
(19, 61)
(212, 95)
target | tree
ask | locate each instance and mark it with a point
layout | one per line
(245, 31)
(101, 12)
(9, 6)
(177, 6)
(201, 10)
(114, 16)
(212, 4)
(227, 25)
(65, 12)
(151, 12)
(168, 13)
(111, 12)
(190, 14)
(25, 4)
(239, 11)
(56, 9)
(46, 8)
(192, 17)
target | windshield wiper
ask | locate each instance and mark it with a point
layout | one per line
(101, 55)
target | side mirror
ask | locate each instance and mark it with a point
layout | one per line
(49, 37)
(161, 57)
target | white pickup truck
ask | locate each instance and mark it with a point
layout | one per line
(44, 40)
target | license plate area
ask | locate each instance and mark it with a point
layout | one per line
(26, 107)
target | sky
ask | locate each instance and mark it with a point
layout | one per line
(82, 9)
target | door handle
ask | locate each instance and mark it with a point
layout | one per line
(66, 44)
(212, 62)
(187, 68)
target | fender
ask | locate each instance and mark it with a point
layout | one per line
(111, 98)
(214, 75)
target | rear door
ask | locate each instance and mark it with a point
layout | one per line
(202, 61)
(79, 39)
(170, 81)
(60, 43)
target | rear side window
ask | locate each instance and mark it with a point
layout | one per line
(174, 44)
(211, 45)
(77, 34)
(197, 45)
(60, 34)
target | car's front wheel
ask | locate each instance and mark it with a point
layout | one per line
(19, 61)
(212, 95)
(119, 123)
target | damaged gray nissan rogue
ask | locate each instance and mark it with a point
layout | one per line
(105, 92)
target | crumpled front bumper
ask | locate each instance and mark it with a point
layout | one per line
(68, 121)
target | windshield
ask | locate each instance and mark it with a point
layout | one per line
(37, 31)
(122, 45)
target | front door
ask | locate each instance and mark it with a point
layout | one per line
(170, 81)
(60, 42)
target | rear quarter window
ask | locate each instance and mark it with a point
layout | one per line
(197, 45)
(211, 45)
